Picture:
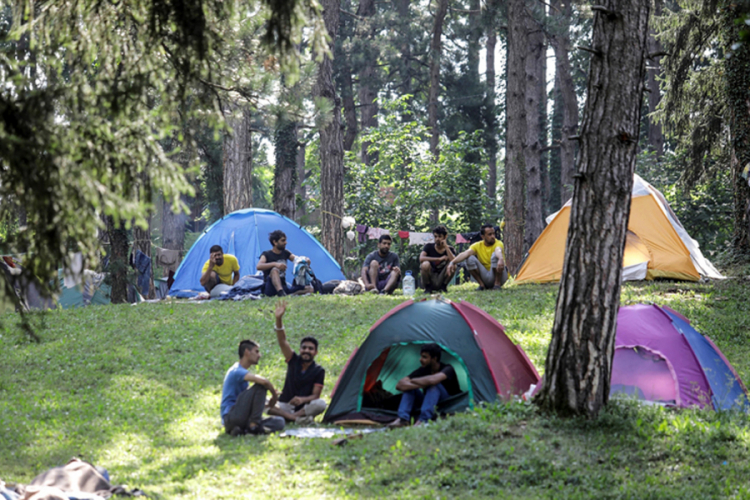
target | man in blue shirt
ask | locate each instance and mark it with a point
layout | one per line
(242, 408)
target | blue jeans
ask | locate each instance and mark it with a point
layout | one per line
(426, 400)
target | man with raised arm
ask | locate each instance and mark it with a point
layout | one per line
(484, 260)
(220, 271)
(433, 262)
(425, 387)
(380, 272)
(300, 399)
(273, 263)
(242, 408)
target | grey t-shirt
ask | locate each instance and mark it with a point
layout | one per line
(385, 263)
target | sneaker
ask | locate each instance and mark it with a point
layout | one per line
(281, 293)
(480, 289)
(305, 420)
(497, 287)
(427, 290)
(237, 431)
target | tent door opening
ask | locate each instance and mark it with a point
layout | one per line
(378, 390)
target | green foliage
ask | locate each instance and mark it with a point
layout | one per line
(137, 390)
(409, 182)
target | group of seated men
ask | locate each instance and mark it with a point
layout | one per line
(381, 272)
(438, 262)
(242, 405)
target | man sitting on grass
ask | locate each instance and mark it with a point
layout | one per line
(242, 408)
(380, 272)
(300, 399)
(484, 260)
(433, 262)
(220, 271)
(425, 387)
(273, 264)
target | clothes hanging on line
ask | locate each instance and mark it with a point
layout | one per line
(421, 238)
(403, 234)
(374, 233)
(361, 233)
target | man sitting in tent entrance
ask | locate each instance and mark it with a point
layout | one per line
(425, 387)
(242, 408)
(380, 272)
(220, 271)
(300, 399)
(273, 264)
(484, 260)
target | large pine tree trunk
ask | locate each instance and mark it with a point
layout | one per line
(515, 165)
(655, 133)
(301, 188)
(557, 138)
(579, 359)
(560, 41)
(173, 227)
(285, 171)
(347, 96)
(490, 111)
(118, 261)
(331, 146)
(436, 48)
(738, 102)
(238, 163)
(367, 89)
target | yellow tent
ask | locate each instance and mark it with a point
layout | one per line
(657, 246)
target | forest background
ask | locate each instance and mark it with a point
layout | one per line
(396, 113)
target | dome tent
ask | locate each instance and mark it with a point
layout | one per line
(244, 234)
(487, 363)
(657, 245)
(660, 357)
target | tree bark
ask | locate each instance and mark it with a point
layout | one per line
(555, 201)
(238, 163)
(655, 133)
(118, 261)
(738, 102)
(285, 171)
(435, 53)
(347, 96)
(173, 227)
(331, 146)
(367, 85)
(515, 165)
(301, 188)
(560, 41)
(579, 359)
(490, 111)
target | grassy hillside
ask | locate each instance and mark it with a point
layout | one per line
(136, 389)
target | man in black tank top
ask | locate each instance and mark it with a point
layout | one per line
(273, 263)
(300, 399)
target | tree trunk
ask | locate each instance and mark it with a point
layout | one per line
(347, 96)
(490, 117)
(555, 158)
(238, 163)
(301, 188)
(331, 146)
(285, 171)
(435, 52)
(560, 41)
(404, 20)
(173, 227)
(738, 102)
(515, 166)
(655, 133)
(579, 358)
(367, 87)
(118, 261)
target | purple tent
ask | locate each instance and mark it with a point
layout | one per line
(660, 357)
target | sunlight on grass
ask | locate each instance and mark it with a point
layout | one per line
(137, 390)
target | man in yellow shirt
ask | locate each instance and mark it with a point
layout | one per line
(220, 271)
(484, 260)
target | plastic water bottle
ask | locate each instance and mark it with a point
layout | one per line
(408, 284)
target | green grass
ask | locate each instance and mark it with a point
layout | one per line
(137, 389)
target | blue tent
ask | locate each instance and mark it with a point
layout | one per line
(244, 234)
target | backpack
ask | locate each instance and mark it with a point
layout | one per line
(315, 282)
